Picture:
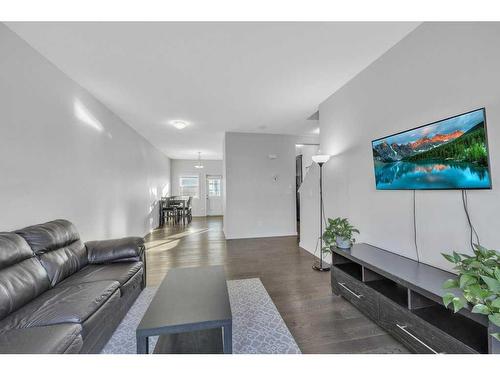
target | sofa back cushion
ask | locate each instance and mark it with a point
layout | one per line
(22, 277)
(57, 244)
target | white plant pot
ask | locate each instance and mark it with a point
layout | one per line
(343, 243)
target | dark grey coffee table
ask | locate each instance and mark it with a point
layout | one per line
(187, 300)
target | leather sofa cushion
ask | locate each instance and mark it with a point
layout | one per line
(62, 304)
(135, 282)
(121, 272)
(49, 236)
(108, 251)
(97, 322)
(58, 246)
(20, 284)
(13, 249)
(64, 262)
(60, 338)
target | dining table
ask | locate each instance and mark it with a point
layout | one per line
(177, 202)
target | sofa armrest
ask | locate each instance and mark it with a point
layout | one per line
(126, 249)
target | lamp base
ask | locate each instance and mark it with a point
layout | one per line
(317, 267)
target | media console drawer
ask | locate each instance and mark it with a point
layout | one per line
(416, 333)
(356, 292)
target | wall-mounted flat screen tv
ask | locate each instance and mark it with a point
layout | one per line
(447, 154)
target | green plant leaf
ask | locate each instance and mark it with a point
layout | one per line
(475, 264)
(495, 319)
(450, 283)
(448, 257)
(494, 254)
(496, 303)
(471, 298)
(482, 250)
(487, 270)
(458, 304)
(447, 298)
(493, 284)
(496, 335)
(481, 309)
(467, 279)
(497, 273)
(467, 262)
(479, 292)
(491, 263)
(456, 257)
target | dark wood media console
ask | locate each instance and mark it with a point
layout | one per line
(405, 298)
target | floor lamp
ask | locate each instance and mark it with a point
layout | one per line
(320, 160)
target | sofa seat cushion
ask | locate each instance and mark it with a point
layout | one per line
(62, 304)
(59, 338)
(121, 272)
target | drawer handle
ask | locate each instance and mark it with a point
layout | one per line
(403, 328)
(358, 296)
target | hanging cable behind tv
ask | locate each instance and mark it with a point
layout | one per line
(473, 232)
(415, 225)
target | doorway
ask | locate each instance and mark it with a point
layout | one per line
(298, 182)
(214, 195)
(303, 161)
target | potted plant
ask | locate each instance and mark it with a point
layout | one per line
(339, 232)
(478, 282)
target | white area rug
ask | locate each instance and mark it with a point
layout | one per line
(258, 327)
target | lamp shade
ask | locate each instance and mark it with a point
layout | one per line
(320, 159)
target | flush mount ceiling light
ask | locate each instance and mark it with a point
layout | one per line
(199, 165)
(179, 124)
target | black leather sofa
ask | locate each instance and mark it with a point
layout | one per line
(60, 295)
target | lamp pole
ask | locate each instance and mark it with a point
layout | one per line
(320, 160)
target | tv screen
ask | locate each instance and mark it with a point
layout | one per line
(447, 154)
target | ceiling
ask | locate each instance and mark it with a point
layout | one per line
(218, 77)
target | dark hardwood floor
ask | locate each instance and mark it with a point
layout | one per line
(319, 321)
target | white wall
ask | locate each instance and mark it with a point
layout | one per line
(256, 204)
(439, 70)
(307, 152)
(65, 155)
(185, 168)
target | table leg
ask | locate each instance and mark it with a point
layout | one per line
(142, 344)
(227, 338)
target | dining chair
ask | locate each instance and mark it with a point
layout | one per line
(170, 210)
(189, 209)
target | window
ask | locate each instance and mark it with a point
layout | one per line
(189, 186)
(213, 186)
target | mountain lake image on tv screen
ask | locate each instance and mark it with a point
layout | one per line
(449, 154)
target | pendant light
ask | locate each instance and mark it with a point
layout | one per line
(199, 165)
